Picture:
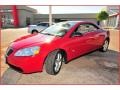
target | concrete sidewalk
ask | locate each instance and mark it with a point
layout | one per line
(7, 36)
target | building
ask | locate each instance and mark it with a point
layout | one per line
(16, 16)
(114, 16)
(65, 17)
(21, 16)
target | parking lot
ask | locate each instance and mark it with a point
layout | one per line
(93, 68)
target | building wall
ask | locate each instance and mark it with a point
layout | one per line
(23, 14)
(37, 20)
(71, 17)
(7, 21)
(112, 9)
(114, 18)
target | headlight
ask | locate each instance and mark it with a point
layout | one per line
(28, 51)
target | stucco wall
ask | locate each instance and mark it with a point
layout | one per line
(71, 17)
(23, 14)
(36, 20)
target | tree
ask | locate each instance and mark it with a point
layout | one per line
(103, 15)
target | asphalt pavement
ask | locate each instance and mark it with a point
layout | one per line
(92, 68)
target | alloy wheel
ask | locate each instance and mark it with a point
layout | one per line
(105, 46)
(58, 62)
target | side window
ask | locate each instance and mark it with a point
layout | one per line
(91, 27)
(43, 24)
(48, 25)
(38, 24)
(84, 28)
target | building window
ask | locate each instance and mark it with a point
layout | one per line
(7, 20)
(112, 22)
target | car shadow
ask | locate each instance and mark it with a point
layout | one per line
(107, 59)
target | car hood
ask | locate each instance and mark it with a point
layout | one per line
(28, 40)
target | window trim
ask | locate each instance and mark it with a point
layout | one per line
(97, 28)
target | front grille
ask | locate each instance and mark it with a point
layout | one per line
(9, 51)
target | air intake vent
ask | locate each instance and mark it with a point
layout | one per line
(9, 51)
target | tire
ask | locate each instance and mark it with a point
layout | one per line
(54, 62)
(105, 46)
(34, 32)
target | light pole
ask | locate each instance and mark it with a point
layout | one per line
(50, 15)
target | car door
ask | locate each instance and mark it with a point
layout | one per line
(79, 44)
(95, 35)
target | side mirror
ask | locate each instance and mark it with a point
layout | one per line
(77, 34)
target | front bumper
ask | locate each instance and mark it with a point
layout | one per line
(27, 64)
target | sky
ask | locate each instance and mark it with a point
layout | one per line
(68, 9)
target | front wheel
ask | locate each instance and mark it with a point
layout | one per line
(105, 46)
(54, 62)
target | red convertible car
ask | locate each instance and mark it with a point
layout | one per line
(59, 43)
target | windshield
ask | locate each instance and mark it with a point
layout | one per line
(58, 29)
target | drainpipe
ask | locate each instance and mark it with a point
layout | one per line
(15, 15)
(50, 15)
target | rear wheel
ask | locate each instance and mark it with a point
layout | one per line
(105, 46)
(54, 62)
(34, 32)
